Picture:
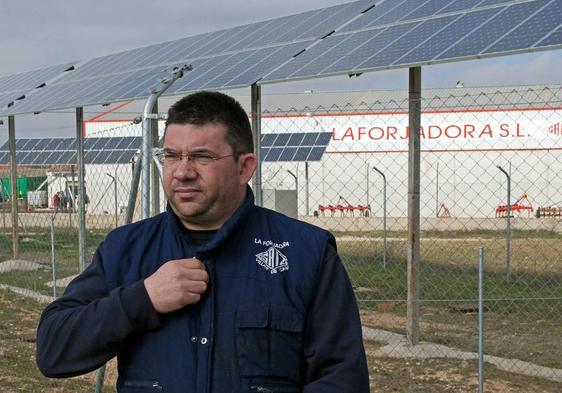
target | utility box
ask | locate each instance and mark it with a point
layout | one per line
(282, 201)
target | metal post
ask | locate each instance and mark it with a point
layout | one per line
(53, 264)
(384, 214)
(154, 176)
(437, 192)
(71, 195)
(4, 198)
(480, 319)
(147, 117)
(367, 182)
(306, 187)
(14, 184)
(296, 188)
(137, 167)
(114, 181)
(413, 302)
(508, 229)
(256, 128)
(81, 187)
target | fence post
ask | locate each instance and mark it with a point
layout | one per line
(413, 304)
(81, 182)
(256, 128)
(508, 228)
(14, 184)
(480, 319)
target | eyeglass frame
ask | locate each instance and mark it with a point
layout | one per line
(201, 159)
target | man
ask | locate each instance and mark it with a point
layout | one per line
(216, 294)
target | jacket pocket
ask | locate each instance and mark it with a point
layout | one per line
(269, 341)
(132, 386)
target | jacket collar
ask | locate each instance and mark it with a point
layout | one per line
(225, 232)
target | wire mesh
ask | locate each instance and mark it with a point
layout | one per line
(358, 190)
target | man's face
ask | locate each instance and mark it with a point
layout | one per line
(205, 192)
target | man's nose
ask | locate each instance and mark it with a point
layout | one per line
(185, 169)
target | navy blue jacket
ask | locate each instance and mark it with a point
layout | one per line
(279, 314)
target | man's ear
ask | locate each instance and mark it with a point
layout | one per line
(247, 164)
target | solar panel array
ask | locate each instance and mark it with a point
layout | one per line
(400, 33)
(349, 38)
(300, 146)
(228, 58)
(16, 86)
(61, 151)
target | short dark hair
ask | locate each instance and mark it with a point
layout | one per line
(206, 107)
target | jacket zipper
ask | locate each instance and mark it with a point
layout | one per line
(277, 389)
(144, 384)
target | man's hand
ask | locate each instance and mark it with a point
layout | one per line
(176, 284)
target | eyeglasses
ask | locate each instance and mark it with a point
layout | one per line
(172, 158)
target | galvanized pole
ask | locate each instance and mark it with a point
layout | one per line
(480, 319)
(508, 229)
(147, 117)
(384, 214)
(296, 188)
(81, 187)
(256, 128)
(137, 167)
(53, 262)
(154, 176)
(413, 301)
(306, 187)
(367, 182)
(437, 192)
(13, 184)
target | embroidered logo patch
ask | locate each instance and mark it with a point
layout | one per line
(273, 260)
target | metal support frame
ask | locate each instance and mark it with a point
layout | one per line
(147, 117)
(413, 301)
(154, 176)
(296, 186)
(13, 184)
(508, 225)
(480, 319)
(437, 191)
(256, 128)
(306, 188)
(116, 209)
(384, 214)
(81, 187)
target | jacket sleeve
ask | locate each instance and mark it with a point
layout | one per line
(88, 325)
(334, 352)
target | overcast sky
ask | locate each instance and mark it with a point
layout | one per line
(40, 33)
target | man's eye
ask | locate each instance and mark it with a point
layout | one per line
(171, 156)
(201, 157)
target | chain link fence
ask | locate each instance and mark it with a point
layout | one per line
(478, 146)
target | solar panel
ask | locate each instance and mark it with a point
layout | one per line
(529, 32)
(227, 58)
(491, 30)
(459, 5)
(316, 154)
(274, 154)
(553, 39)
(15, 86)
(299, 146)
(287, 154)
(349, 38)
(412, 32)
(268, 139)
(56, 151)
